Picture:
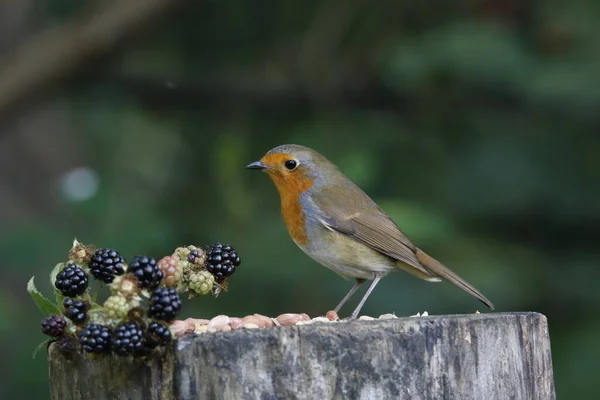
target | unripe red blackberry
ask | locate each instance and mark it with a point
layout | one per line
(221, 261)
(172, 269)
(54, 325)
(106, 264)
(71, 281)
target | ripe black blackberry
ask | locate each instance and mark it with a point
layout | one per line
(71, 281)
(221, 261)
(129, 339)
(75, 310)
(95, 338)
(157, 334)
(164, 304)
(146, 270)
(106, 264)
(54, 325)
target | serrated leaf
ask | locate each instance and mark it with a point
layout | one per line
(44, 305)
(39, 347)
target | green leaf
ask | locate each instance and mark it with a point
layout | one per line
(55, 271)
(45, 343)
(45, 306)
(59, 298)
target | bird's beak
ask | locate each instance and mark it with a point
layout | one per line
(257, 165)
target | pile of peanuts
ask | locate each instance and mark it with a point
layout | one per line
(224, 323)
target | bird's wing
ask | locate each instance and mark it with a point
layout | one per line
(362, 220)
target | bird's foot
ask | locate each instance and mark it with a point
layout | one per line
(349, 318)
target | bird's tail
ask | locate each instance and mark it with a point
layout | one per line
(437, 269)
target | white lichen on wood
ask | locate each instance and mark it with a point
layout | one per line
(476, 356)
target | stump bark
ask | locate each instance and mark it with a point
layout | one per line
(482, 357)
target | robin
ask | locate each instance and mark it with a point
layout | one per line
(338, 225)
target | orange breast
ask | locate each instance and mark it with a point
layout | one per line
(290, 188)
(294, 219)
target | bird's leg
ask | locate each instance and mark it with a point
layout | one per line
(349, 294)
(354, 314)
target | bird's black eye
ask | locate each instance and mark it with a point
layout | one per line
(291, 164)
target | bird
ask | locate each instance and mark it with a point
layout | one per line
(339, 226)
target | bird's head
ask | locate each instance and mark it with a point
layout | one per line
(293, 168)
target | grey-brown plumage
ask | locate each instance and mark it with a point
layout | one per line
(336, 223)
(362, 220)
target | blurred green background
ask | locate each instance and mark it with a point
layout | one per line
(473, 123)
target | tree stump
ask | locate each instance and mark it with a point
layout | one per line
(479, 356)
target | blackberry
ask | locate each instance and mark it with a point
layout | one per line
(183, 252)
(197, 256)
(200, 282)
(129, 339)
(157, 334)
(172, 269)
(146, 270)
(54, 325)
(221, 261)
(126, 286)
(95, 338)
(164, 304)
(116, 307)
(106, 264)
(71, 281)
(75, 310)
